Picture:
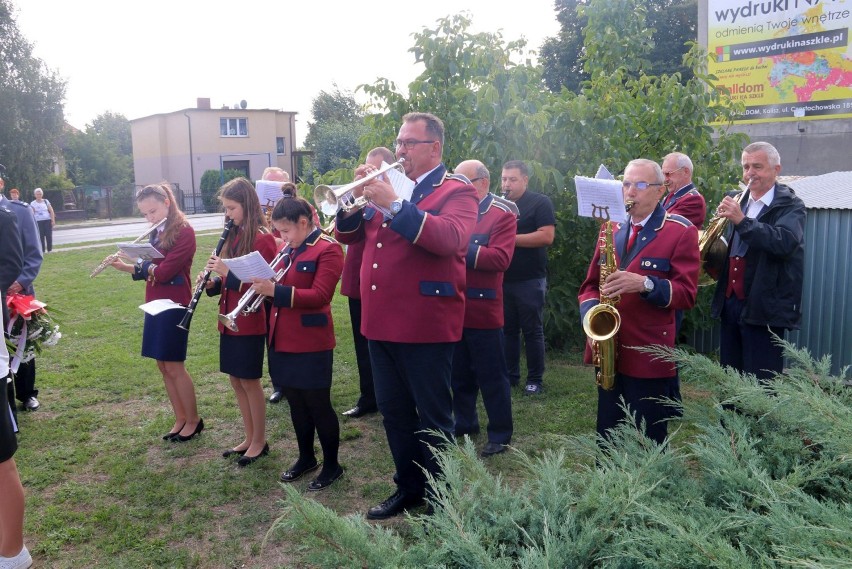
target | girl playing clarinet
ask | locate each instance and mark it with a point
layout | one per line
(241, 351)
(168, 278)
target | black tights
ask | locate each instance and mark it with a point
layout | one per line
(311, 410)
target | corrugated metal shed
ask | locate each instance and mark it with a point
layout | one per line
(826, 327)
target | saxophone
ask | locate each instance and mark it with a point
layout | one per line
(602, 321)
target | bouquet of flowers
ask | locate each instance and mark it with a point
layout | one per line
(30, 328)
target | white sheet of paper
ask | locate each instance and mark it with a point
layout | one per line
(250, 266)
(156, 306)
(600, 198)
(402, 185)
(604, 174)
(268, 191)
(144, 251)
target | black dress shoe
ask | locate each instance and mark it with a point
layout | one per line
(275, 397)
(394, 505)
(246, 460)
(231, 452)
(358, 411)
(491, 449)
(169, 436)
(179, 438)
(297, 471)
(321, 483)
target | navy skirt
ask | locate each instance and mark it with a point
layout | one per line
(242, 356)
(8, 440)
(162, 339)
(309, 370)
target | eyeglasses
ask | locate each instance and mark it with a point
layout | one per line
(409, 144)
(673, 171)
(472, 180)
(641, 186)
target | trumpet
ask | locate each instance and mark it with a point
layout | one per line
(251, 300)
(713, 245)
(110, 258)
(332, 199)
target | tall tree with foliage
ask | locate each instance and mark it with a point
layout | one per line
(31, 114)
(673, 23)
(333, 134)
(103, 154)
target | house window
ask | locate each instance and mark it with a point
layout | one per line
(241, 165)
(233, 127)
(279, 144)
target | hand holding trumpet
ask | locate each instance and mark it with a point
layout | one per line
(730, 209)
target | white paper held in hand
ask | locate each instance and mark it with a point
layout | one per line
(250, 266)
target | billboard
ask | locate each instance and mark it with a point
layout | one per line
(785, 59)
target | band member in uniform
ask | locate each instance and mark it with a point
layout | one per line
(682, 197)
(412, 300)
(241, 352)
(479, 360)
(301, 337)
(657, 258)
(350, 286)
(168, 278)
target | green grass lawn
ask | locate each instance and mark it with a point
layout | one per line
(103, 489)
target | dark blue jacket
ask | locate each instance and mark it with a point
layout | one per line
(775, 263)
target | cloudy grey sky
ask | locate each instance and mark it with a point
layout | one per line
(143, 58)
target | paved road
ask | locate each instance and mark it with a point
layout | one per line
(130, 228)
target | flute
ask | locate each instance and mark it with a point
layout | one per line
(202, 284)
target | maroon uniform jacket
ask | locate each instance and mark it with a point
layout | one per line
(171, 275)
(233, 290)
(689, 203)
(488, 256)
(666, 250)
(413, 270)
(300, 317)
(350, 283)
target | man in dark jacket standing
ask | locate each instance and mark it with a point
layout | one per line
(759, 293)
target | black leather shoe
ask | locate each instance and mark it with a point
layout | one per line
(321, 483)
(169, 436)
(231, 452)
(295, 472)
(358, 411)
(246, 460)
(275, 397)
(178, 438)
(491, 449)
(394, 505)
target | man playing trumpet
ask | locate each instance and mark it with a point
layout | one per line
(657, 259)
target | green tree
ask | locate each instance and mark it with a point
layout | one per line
(31, 116)
(211, 181)
(102, 155)
(672, 23)
(334, 133)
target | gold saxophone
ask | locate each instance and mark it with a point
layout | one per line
(713, 246)
(601, 322)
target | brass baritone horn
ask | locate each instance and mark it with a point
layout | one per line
(110, 258)
(251, 300)
(331, 199)
(713, 246)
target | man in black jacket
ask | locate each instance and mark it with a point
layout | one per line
(759, 293)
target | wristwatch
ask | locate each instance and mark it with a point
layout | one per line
(396, 206)
(649, 284)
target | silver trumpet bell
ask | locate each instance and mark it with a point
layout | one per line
(331, 199)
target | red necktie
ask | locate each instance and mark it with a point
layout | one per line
(636, 229)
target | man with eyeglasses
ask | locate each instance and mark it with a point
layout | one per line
(525, 281)
(412, 300)
(682, 197)
(479, 360)
(657, 258)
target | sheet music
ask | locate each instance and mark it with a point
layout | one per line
(604, 174)
(144, 251)
(402, 185)
(597, 198)
(268, 191)
(250, 266)
(161, 305)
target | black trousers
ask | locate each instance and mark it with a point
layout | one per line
(25, 381)
(367, 400)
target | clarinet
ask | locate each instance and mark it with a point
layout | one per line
(202, 284)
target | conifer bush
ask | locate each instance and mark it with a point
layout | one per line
(763, 480)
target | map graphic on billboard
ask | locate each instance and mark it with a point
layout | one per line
(784, 59)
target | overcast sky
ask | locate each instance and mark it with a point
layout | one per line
(159, 56)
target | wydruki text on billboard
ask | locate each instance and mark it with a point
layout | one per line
(782, 57)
